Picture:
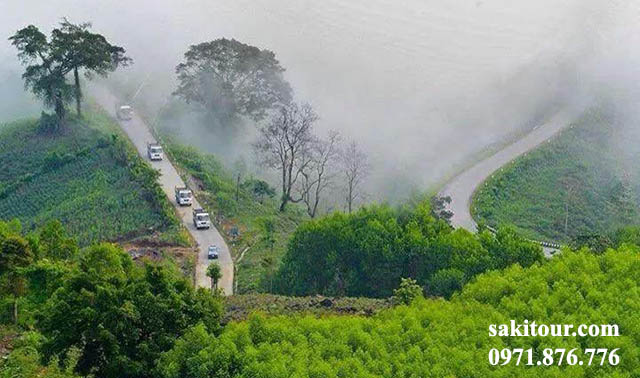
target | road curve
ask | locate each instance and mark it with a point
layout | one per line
(139, 133)
(462, 187)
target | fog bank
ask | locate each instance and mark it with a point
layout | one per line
(419, 84)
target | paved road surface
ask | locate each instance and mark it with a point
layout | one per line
(140, 134)
(462, 187)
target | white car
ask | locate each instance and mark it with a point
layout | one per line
(213, 252)
(155, 151)
(201, 219)
(184, 196)
(124, 112)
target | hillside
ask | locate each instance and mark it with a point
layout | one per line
(262, 231)
(437, 338)
(87, 176)
(168, 329)
(575, 185)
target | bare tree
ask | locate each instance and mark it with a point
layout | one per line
(318, 174)
(284, 145)
(355, 167)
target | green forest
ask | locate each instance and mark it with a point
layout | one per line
(578, 186)
(368, 252)
(93, 311)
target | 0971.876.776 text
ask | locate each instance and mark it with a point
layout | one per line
(558, 356)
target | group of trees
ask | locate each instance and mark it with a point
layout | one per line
(94, 308)
(230, 79)
(71, 48)
(367, 253)
(307, 164)
(437, 338)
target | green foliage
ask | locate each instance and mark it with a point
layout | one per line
(230, 79)
(436, 338)
(215, 273)
(94, 184)
(24, 361)
(130, 313)
(567, 188)
(366, 253)
(263, 231)
(407, 292)
(98, 312)
(260, 189)
(71, 48)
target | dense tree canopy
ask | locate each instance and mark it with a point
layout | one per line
(95, 307)
(229, 78)
(437, 338)
(367, 253)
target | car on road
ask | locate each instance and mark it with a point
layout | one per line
(201, 219)
(154, 150)
(213, 251)
(184, 196)
(124, 112)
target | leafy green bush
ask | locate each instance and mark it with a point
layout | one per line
(368, 252)
(407, 292)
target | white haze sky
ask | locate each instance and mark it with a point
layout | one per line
(420, 84)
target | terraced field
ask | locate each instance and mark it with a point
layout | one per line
(83, 177)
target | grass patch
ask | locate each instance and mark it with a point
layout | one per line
(263, 230)
(573, 185)
(88, 176)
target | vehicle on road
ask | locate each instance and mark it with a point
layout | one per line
(184, 196)
(124, 112)
(154, 150)
(213, 252)
(201, 219)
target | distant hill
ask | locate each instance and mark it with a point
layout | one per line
(582, 182)
(91, 181)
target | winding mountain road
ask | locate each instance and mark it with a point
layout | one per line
(139, 133)
(462, 187)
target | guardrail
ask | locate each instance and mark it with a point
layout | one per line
(542, 243)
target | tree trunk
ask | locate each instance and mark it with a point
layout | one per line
(285, 196)
(59, 109)
(76, 77)
(283, 204)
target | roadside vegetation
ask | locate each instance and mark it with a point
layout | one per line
(143, 318)
(369, 252)
(246, 213)
(93, 310)
(87, 176)
(573, 187)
